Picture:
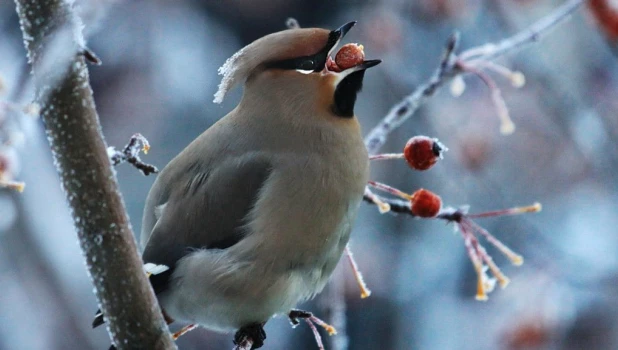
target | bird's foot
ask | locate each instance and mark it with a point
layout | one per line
(294, 315)
(250, 337)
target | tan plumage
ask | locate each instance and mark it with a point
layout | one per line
(253, 216)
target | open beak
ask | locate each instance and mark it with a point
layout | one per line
(334, 40)
(338, 34)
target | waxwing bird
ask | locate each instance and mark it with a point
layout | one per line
(253, 216)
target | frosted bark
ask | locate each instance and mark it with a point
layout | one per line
(52, 36)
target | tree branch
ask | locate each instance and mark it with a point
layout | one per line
(53, 39)
(450, 67)
(130, 154)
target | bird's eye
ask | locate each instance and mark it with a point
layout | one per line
(307, 64)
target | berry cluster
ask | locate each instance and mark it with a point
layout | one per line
(421, 153)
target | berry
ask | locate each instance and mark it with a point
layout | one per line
(332, 66)
(425, 204)
(422, 152)
(349, 55)
(606, 14)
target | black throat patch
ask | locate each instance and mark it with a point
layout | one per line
(345, 94)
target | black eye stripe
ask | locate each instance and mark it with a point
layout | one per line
(304, 63)
(314, 62)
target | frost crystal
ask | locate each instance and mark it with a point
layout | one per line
(155, 269)
(229, 72)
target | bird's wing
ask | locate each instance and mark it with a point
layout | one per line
(204, 209)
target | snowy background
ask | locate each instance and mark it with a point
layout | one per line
(158, 78)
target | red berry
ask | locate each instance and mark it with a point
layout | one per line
(606, 14)
(425, 204)
(349, 55)
(332, 66)
(422, 152)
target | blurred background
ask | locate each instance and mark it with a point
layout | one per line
(158, 77)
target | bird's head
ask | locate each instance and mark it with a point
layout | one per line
(289, 68)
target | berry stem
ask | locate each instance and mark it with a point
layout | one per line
(384, 156)
(388, 189)
(534, 208)
(184, 330)
(495, 270)
(13, 185)
(478, 265)
(365, 292)
(516, 259)
(375, 199)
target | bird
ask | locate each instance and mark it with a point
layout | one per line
(252, 217)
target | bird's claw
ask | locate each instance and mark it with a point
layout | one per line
(254, 333)
(294, 315)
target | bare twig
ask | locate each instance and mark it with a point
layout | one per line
(403, 110)
(449, 68)
(130, 154)
(365, 292)
(184, 330)
(507, 126)
(53, 39)
(12, 185)
(469, 230)
(527, 36)
(333, 306)
(91, 57)
(397, 206)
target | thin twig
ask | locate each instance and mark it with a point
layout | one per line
(448, 69)
(527, 36)
(91, 57)
(130, 154)
(403, 110)
(507, 126)
(316, 334)
(397, 206)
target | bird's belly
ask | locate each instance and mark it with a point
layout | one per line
(244, 295)
(217, 289)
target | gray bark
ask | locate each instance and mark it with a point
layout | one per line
(52, 36)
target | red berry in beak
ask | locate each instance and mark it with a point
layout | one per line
(349, 55)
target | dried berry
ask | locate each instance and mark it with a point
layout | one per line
(349, 55)
(422, 152)
(425, 204)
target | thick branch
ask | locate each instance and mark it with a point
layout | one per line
(53, 39)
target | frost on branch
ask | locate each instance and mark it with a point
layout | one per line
(426, 204)
(53, 39)
(452, 66)
(430, 203)
(130, 154)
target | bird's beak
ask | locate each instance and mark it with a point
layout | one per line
(334, 40)
(347, 82)
(338, 34)
(359, 67)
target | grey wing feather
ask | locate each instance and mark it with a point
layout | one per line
(205, 208)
